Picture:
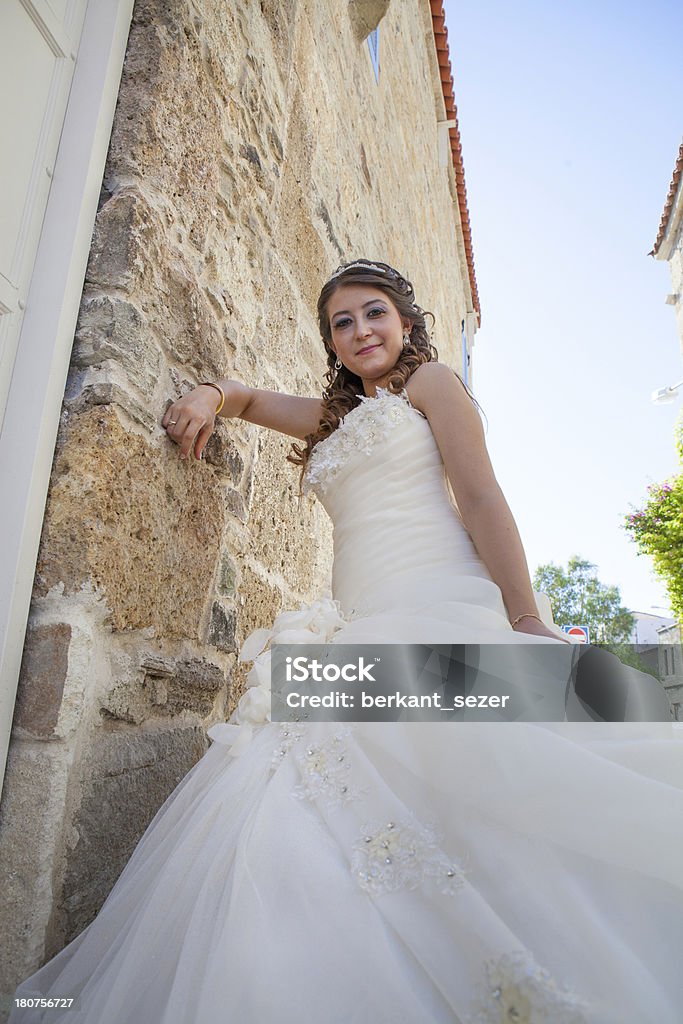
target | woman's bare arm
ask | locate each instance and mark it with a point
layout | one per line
(190, 421)
(288, 414)
(436, 391)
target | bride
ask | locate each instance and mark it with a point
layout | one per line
(342, 873)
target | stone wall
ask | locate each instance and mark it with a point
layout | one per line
(252, 151)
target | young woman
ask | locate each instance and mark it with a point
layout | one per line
(395, 871)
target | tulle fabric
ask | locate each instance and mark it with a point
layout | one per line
(397, 872)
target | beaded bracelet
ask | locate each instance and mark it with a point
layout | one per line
(210, 384)
(526, 615)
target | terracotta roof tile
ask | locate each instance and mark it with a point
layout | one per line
(668, 205)
(441, 39)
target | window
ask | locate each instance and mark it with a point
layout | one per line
(465, 354)
(373, 43)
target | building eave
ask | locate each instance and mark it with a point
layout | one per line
(671, 215)
(443, 56)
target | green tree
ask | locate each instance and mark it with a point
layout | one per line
(579, 598)
(657, 529)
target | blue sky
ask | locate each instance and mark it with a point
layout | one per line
(571, 119)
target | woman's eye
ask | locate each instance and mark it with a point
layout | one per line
(345, 320)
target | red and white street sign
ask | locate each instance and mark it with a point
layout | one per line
(580, 632)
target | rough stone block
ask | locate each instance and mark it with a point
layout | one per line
(222, 628)
(43, 672)
(123, 226)
(234, 503)
(227, 576)
(129, 776)
(165, 687)
(222, 453)
(366, 15)
(127, 702)
(93, 392)
(191, 685)
(109, 328)
(194, 686)
(184, 317)
(144, 528)
(31, 830)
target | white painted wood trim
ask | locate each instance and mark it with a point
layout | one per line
(34, 403)
(61, 38)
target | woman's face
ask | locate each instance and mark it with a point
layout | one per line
(366, 332)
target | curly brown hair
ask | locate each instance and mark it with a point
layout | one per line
(343, 387)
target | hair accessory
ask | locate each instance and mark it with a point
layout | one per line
(363, 266)
(210, 384)
(526, 615)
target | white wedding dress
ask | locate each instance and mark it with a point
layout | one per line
(365, 873)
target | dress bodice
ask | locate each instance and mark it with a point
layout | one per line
(398, 534)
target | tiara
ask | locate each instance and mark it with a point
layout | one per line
(363, 266)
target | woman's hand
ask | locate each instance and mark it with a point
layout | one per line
(536, 628)
(190, 421)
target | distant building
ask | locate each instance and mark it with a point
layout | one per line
(646, 627)
(671, 666)
(645, 637)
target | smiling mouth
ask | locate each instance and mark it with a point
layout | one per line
(368, 348)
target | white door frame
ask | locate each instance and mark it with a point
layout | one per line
(36, 393)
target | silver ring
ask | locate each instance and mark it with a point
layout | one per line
(172, 423)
